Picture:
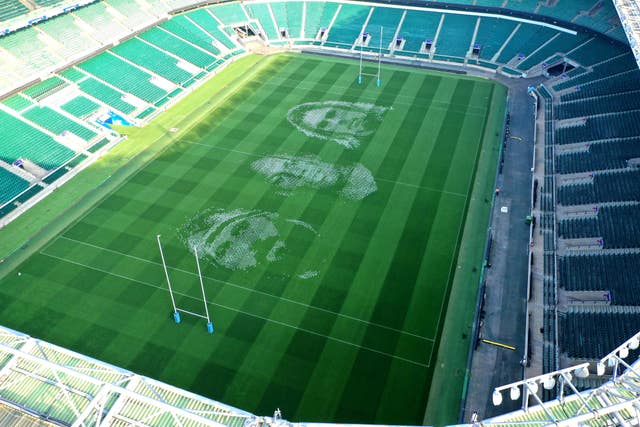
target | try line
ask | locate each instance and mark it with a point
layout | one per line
(277, 322)
(245, 288)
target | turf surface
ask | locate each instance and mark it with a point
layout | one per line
(337, 312)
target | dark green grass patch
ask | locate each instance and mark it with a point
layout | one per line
(327, 288)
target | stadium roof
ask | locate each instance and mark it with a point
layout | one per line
(629, 12)
(615, 403)
(66, 388)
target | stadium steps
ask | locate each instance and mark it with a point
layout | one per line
(495, 57)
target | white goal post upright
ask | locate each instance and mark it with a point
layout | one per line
(176, 310)
(204, 296)
(176, 314)
(360, 73)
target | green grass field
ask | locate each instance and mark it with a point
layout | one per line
(328, 216)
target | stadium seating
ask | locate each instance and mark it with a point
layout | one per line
(617, 273)
(590, 334)
(132, 15)
(57, 123)
(616, 225)
(123, 75)
(152, 59)
(526, 39)
(614, 125)
(102, 24)
(455, 35)
(17, 102)
(184, 28)
(606, 187)
(348, 25)
(170, 43)
(599, 156)
(386, 20)
(230, 13)
(492, 34)
(106, 94)
(72, 40)
(417, 27)
(25, 141)
(561, 42)
(80, 107)
(206, 21)
(10, 9)
(604, 104)
(262, 12)
(10, 185)
(319, 15)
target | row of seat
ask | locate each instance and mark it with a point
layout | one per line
(604, 104)
(606, 187)
(621, 60)
(591, 335)
(617, 226)
(609, 85)
(617, 273)
(616, 125)
(599, 156)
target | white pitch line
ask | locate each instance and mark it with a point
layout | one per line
(391, 181)
(413, 362)
(235, 285)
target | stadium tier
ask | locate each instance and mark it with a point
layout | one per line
(66, 81)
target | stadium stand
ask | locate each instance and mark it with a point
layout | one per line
(10, 9)
(10, 185)
(386, 20)
(348, 25)
(30, 143)
(455, 35)
(593, 133)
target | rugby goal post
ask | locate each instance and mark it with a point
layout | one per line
(360, 73)
(176, 310)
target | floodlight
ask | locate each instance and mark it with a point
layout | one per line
(624, 352)
(600, 369)
(533, 387)
(582, 372)
(514, 392)
(634, 343)
(549, 382)
(497, 398)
